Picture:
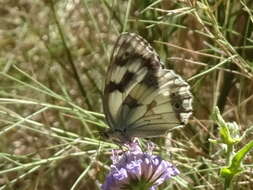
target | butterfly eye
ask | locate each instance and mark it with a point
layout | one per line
(176, 101)
(176, 106)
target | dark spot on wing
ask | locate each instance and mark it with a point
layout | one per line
(127, 78)
(177, 103)
(112, 86)
(125, 58)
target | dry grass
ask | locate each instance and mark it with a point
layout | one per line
(53, 59)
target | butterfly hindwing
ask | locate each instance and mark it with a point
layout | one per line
(161, 108)
(141, 99)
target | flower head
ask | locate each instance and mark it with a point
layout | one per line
(135, 169)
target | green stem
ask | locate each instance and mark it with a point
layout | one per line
(230, 153)
(70, 59)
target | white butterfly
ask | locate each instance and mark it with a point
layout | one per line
(141, 99)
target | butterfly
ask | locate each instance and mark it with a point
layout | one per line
(141, 98)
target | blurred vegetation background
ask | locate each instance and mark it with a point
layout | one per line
(53, 59)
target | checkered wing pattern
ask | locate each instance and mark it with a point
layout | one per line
(141, 99)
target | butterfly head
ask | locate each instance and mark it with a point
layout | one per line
(116, 136)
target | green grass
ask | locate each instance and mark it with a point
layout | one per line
(53, 60)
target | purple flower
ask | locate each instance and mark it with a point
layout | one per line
(135, 169)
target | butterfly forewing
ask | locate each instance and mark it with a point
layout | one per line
(141, 99)
(125, 71)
